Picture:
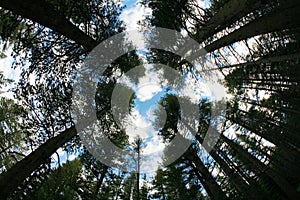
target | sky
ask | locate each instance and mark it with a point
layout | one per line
(8, 72)
(132, 13)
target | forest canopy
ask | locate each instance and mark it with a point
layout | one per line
(245, 145)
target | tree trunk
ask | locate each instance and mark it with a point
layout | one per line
(230, 13)
(100, 181)
(270, 106)
(284, 18)
(40, 11)
(256, 63)
(11, 179)
(208, 182)
(285, 186)
(288, 140)
(233, 175)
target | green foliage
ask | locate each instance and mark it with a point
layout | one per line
(12, 144)
(171, 183)
(63, 183)
(167, 14)
(10, 25)
(11, 134)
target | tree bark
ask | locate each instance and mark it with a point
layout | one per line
(40, 11)
(234, 177)
(11, 179)
(100, 181)
(230, 13)
(208, 182)
(285, 186)
(284, 18)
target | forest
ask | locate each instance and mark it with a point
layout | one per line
(245, 145)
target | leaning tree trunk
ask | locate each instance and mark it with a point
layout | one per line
(234, 177)
(11, 179)
(284, 185)
(227, 15)
(204, 176)
(40, 11)
(285, 18)
(257, 126)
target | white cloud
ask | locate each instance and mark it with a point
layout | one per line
(63, 157)
(133, 14)
(150, 84)
(147, 91)
(8, 73)
(147, 86)
(152, 154)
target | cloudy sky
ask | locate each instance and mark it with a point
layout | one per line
(132, 13)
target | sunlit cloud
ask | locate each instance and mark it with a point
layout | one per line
(132, 15)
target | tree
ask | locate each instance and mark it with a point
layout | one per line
(144, 189)
(158, 185)
(43, 13)
(12, 144)
(63, 183)
(137, 147)
(173, 183)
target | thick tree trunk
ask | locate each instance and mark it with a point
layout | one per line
(234, 177)
(285, 186)
(10, 180)
(40, 11)
(208, 182)
(230, 13)
(284, 18)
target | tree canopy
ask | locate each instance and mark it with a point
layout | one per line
(254, 46)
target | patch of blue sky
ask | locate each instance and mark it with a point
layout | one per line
(61, 156)
(129, 3)
(144, 106)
